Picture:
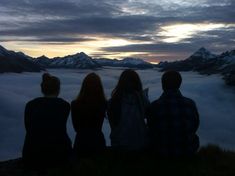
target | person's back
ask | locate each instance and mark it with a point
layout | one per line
(126, 113)
(46, 140)
(173, 120)
(88, 112)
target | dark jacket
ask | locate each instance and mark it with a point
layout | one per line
(46, 139)
(173, 121)
(127, 120)
(87, 122)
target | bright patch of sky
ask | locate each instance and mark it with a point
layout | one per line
(178, 32)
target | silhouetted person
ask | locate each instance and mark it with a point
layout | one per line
(88, 112)
(126, 113)
(173, 120)
(46, 142)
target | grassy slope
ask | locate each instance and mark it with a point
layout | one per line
(210, 161)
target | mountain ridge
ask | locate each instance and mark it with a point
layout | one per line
(204, 62)
(11, 61)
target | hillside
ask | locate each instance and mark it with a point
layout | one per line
(210, 161)
(18, 62)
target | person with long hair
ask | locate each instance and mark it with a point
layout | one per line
(46, 142)
(88, 112)
(127, 112)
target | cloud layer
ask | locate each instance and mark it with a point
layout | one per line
(215, 102)
(142, 23)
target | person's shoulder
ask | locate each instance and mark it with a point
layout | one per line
(189, 101)
(156, 102)
(63, 102)
(34, 101)
(155, 105)
(74, 103)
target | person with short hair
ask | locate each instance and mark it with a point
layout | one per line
(46, 142)
(88, 113)
(173, 120)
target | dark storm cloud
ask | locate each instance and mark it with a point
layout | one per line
(69, 21)
(57, 39)
(212, 13)
(102, 17)
(95, 25)
(59, 8)
(158, 47)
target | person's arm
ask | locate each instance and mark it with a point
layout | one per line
(148, 115)
(196, 120)
(143, 101)
(67, 111)
(103, 114)
(74, 115)
(27, 114)
(112, 112)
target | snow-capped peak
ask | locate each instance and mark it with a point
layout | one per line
(204, 54)
(228, 56)
(78, 60)
(135, 61)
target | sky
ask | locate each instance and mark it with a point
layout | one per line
(155, 30)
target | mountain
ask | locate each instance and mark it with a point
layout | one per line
(126, 62)
(11, 61)
(83, 61)
(79, 60)
(202, 53)
(204, 62)
(43, 61)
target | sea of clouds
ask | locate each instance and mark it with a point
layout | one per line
(214, 99)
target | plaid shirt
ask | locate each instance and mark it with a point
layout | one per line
(173, 121)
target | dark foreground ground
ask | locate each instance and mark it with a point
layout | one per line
(210, 161)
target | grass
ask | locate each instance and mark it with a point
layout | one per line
(210, 161)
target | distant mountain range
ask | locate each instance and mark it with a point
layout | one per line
(126, 62)
(83, 61)
(204, 62)
(11, 61)
(17, 62)
(79, 60)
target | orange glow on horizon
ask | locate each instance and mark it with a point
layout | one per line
(92, 48)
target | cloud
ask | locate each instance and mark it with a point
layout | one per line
(215, 102)
(54, 39)
(71, 21)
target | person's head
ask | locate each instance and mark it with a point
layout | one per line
(92, 90)
(171, 80)
(129, 82)
(50, 85)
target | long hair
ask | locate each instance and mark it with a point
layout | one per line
(92, 91)
(129, 82)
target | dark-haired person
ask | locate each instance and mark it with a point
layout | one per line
(127, 113)
(46, 142)
(173, 120)
(88, 112)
